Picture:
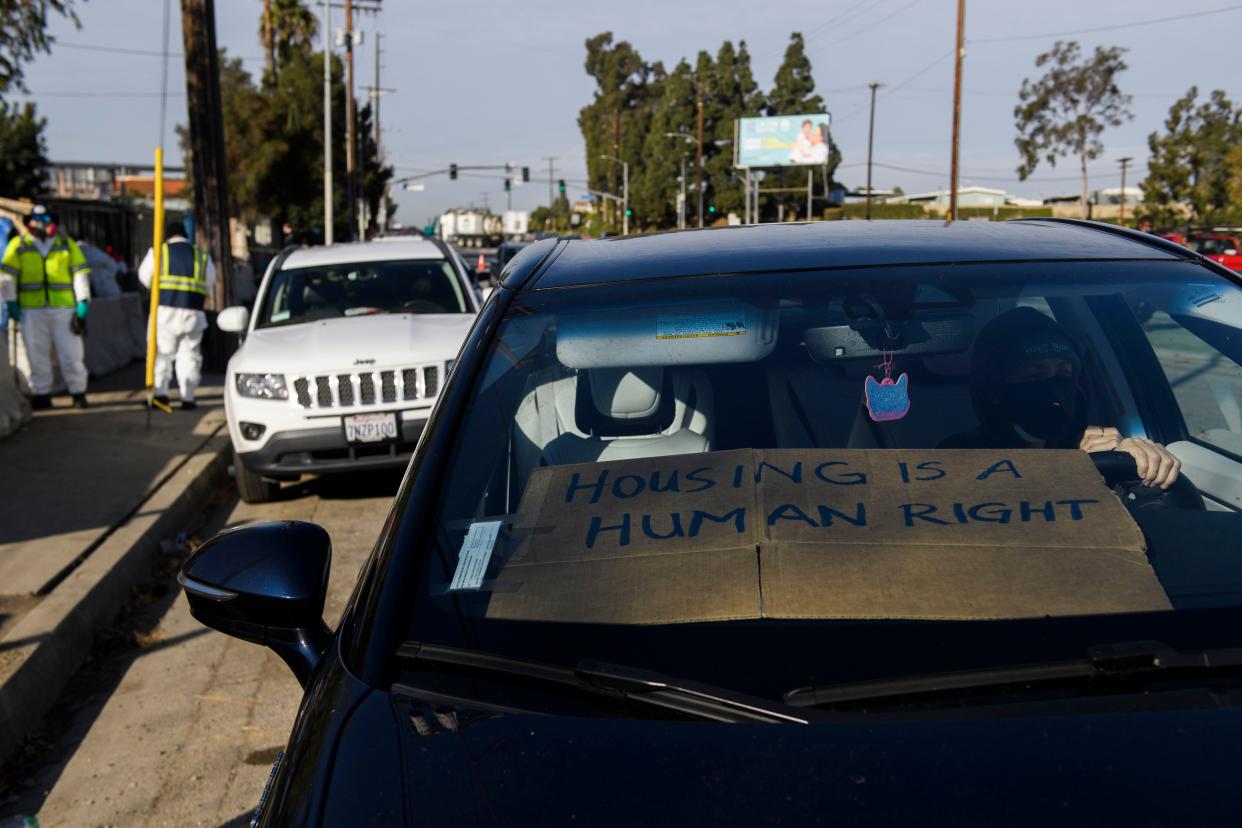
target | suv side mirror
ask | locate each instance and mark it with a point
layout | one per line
(233, 320)
(265, 583)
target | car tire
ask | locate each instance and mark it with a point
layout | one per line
(252, 486)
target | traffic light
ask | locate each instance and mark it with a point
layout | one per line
(711, 208)
(629, 212)
(525, 175)
(452, 172)
(508, 184)
(560, 183)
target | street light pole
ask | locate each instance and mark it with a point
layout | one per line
(698, 160)
(327, 122)
(625, 192)
(1125, 162)
(870, 136)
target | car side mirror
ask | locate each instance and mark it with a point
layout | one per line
(265, 583)
(233, 320)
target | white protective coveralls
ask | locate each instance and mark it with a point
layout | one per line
(178, 334)
(43, 328)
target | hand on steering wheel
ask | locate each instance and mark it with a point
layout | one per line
(1120, 473)
(1154, 464)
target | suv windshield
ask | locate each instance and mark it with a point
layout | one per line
(773, 480)
(306, 294)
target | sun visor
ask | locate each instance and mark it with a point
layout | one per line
(687, 334)
(943, 333)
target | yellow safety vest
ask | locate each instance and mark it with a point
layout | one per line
(183, 276)
(44, 282)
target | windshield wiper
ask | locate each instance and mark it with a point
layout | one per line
(617, 682)
(1125, 663)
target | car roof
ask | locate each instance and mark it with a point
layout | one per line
(404, 247)
(826, 244)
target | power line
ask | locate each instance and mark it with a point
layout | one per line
(837, 18)
(873, 24)
(895, 87)
(39, 95)
(1132, 25)
(976, 174)
(125, 50)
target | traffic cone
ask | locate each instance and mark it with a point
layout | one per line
(481, 267)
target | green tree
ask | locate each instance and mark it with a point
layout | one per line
(24, 35)
(1064, 113)
(23, 151)
(734, 94)
(655, 184)
(293, 29)
(1190, 164)
(793, 89)
(617, 119)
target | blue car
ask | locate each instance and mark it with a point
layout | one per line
(841, 522)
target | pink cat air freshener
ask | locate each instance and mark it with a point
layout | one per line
(886, 399)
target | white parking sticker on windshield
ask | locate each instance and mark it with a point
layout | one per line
(476, 552)
(698, 325)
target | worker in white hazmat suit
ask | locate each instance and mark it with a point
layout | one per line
(187, 278)
(45, 281)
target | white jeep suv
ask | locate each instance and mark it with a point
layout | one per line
(342, 360)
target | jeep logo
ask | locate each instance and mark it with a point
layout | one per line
(364, 362)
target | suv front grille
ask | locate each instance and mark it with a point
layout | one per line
(368, 387)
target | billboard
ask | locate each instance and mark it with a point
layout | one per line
(782, 140)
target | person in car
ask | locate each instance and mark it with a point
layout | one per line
(1026, 386)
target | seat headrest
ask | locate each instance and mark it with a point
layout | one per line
(626, 393)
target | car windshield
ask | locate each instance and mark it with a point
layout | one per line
(1215, 245)
(305, 294)
(770, 480)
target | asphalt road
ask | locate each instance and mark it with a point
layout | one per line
(172, 724)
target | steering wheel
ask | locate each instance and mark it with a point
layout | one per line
(1121, 475)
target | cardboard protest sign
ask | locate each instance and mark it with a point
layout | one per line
(792, 533)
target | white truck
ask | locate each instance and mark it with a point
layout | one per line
(471, 228)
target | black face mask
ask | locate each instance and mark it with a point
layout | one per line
(1042, 408)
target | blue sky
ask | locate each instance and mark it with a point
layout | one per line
(488, 82)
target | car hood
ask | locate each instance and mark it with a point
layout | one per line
(468, 768)
(380, 341)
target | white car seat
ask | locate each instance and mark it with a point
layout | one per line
(612, 414)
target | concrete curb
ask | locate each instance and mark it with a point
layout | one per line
(48, 645)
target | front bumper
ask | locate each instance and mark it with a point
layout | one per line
(323, 450)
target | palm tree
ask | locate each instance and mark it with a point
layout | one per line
(287, 26)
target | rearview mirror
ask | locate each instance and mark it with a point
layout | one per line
(233, 320)
(265, 583)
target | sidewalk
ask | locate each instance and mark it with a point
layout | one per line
(71, 475)
(86, 498)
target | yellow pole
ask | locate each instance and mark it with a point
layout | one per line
(157, 249)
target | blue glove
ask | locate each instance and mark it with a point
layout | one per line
(14, 309)
(83, 307)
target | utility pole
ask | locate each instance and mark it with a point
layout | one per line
(375, 96)
(327, 122)
(870, 143)
(698, 157)
(351, 154)
(1124, 162)
(681, 214)
(957, 107)
(209, 172)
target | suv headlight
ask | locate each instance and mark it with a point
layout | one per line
(263, 386)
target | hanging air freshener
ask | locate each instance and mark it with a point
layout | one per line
(886, 399)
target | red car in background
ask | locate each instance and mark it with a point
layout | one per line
(1221, 245)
